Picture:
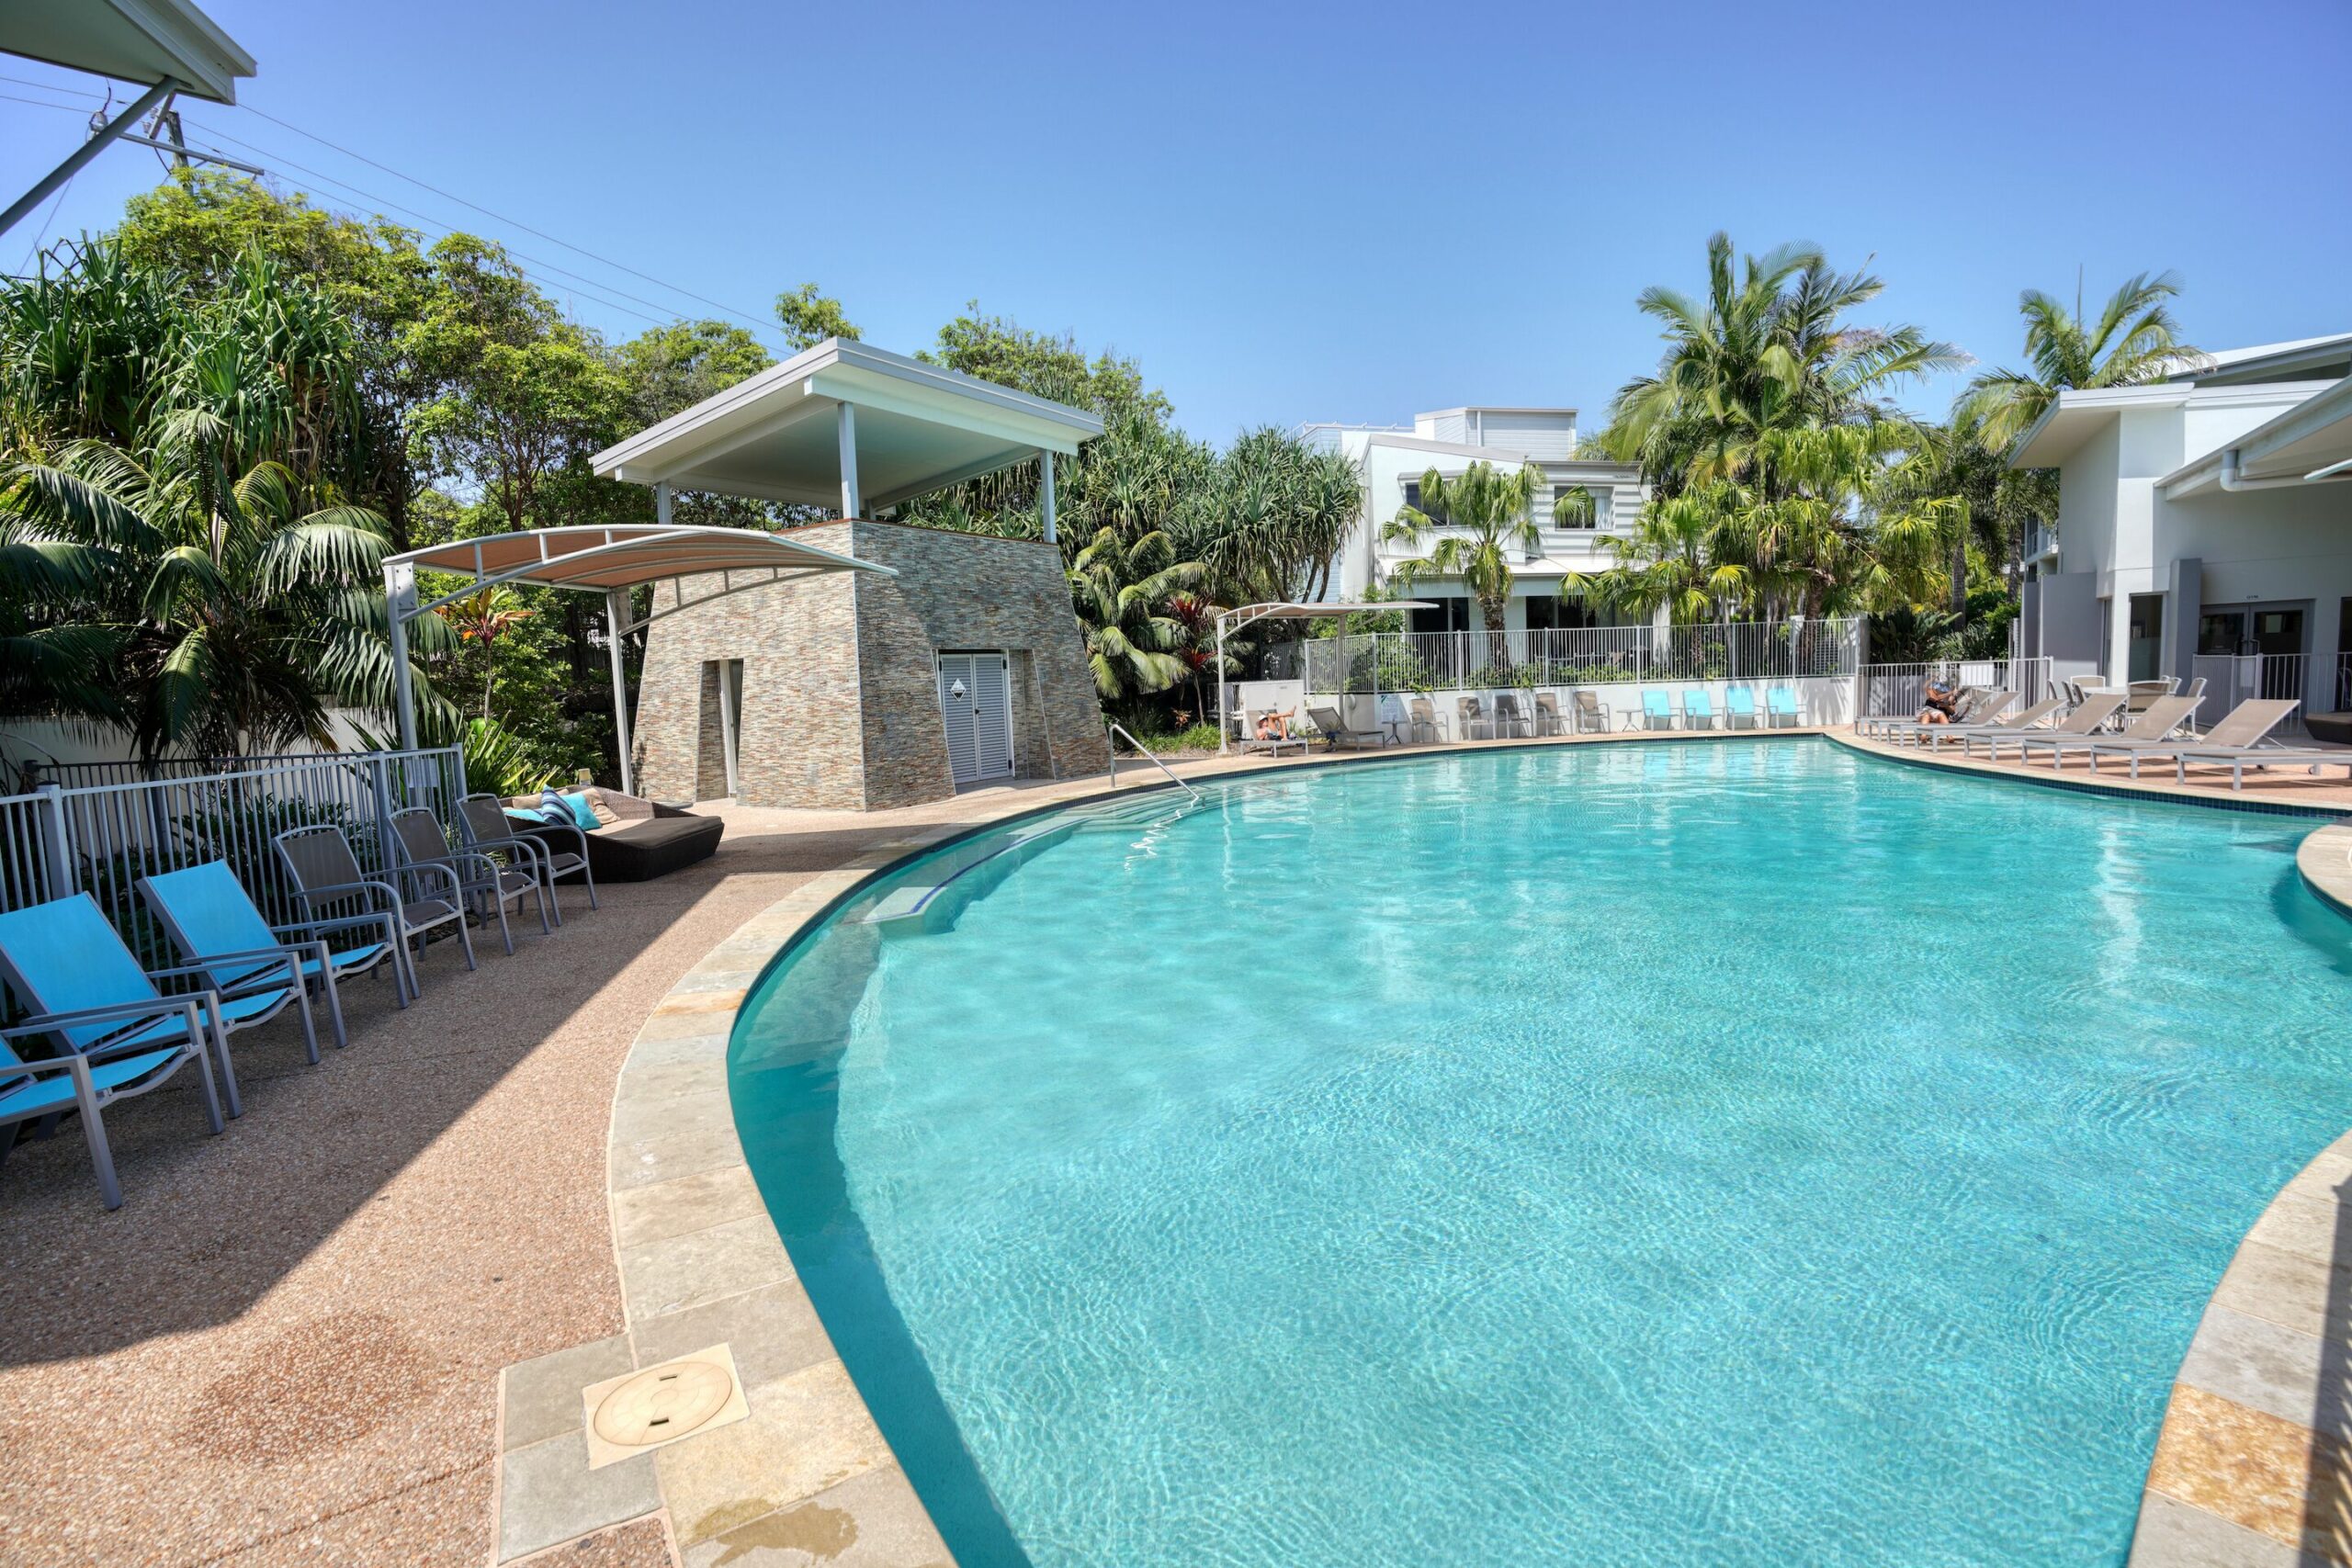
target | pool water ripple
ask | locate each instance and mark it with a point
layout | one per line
(1743, 1154)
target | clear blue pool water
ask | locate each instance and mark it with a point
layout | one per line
(1615, 1155)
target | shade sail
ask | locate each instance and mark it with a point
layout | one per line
(600, 559)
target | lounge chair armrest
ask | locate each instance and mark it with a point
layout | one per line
(303, 930)
(457, 883)
(286, 954)
(71, 1062)
(334, 890)
(49, 1022)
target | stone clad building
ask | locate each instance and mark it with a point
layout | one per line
(841, 690)
(896, 664)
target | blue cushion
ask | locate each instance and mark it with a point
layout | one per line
(536, 818)
(582, 816)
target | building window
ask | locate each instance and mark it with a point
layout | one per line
(1413, 499)
(1596, 506)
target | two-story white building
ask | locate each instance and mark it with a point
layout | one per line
(1392, 460)
(2204, 527)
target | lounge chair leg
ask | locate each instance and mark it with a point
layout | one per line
(211, 1095)
(227, 1068)
(498, 901)
(334, 1001)
(588, 875)
(94, 1131)
(309, 1025)
(540, 893)
(466, 939)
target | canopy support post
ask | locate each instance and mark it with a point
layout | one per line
(662, 503)
(399, 603)
(616, 628)
(1223, 722)
(845, 418)
(1045, 490)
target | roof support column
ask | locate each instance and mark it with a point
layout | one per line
(399, 603)
(662, 503)
(852, 502)
(615, 629)
(1046, 492)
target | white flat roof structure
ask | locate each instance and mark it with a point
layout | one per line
(146, 41)
(849, 425)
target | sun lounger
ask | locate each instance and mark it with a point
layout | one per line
(1978, 708)
(2094, 711)
(489, 887)
(1697, 708)
(1548, 720)
(1780, 703)
(1271, 745)
(214, 922)
(2024, 718)
(1739, 708)
(1589, 712)
(2235, 741)
(1421, 719)
(2151, 728)
(1335, 730)
(115, 1035)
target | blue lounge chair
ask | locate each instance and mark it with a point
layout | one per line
(1739, 703)
(115, 1035)
(1780, 703)
(1657, 711)
(1697, 708)
(212, 921)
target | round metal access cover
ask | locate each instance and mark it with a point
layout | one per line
(663, 1402)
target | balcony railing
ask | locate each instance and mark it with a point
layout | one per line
(1482, 660)
(2039, 541)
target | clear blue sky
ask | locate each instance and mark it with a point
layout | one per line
(1345, 213)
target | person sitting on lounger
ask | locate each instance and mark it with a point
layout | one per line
(1271, 726)
(1940, 704)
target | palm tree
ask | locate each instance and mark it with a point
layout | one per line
(1768, 348)
(2135, 340)
(1494, 511)
(229, 611)
(485, 617)
(1121, 591)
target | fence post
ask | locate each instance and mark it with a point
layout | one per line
(383, 792)
(55, 849)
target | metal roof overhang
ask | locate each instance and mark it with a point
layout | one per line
(129, 40)
(2300, 445)
(918, 428)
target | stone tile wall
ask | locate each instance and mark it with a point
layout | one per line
(840, 699)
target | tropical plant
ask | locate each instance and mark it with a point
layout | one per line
(2135, 340)
(503, 763)
(1492, 510)
(1121, 589)
(482, 617)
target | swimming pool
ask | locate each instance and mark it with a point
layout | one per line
(1731, 1154)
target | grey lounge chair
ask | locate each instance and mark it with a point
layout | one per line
(1470, 713)
(1335, 729)
(1978, 707)
(2154, 727)
(482, 819)
(1589, 713)
(1250, 742)
(2235, 741)
(489, 887)
(2024, 718)
(2084, 720)
(1508, 719)
(1547, 715)
(328, 883)
(1422, 718)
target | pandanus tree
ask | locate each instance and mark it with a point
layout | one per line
(1469, 527)
(1121, 589)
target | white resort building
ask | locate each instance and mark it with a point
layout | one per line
(1394, 457)
(2204, 528)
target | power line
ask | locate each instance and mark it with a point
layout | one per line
(52, 88)
(604, 261)
(582, 286)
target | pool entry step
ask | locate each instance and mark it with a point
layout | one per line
(953, 883)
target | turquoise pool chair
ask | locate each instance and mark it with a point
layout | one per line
(1739, 708)
(1780, 703)
(115, 1034)
(213, 921)
(1697, 708)
(1657, 711)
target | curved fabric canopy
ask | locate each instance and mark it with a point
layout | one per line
(602, 559)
